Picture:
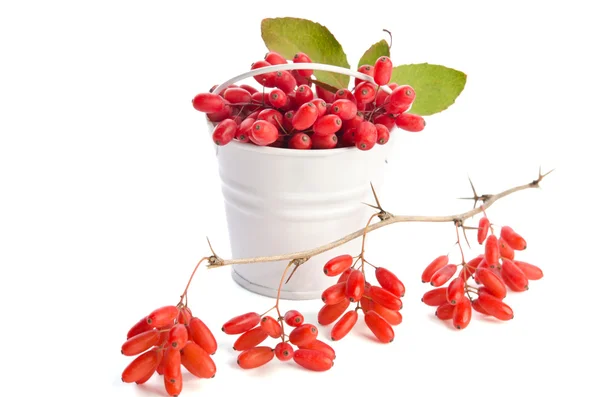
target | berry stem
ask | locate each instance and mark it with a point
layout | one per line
(276, 307)
(364, 237)
(462, 254)
(184, 294)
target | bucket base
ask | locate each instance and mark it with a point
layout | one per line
(272, 292)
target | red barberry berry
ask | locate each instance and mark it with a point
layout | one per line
(208, 103)
(410, 122)
(382, 72)
(241, 323)
(255, 357)
(293, 318)
(284, 351)
(314, 360)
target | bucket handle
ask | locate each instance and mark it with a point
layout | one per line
(298, 66)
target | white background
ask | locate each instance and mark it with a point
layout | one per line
(109, 186)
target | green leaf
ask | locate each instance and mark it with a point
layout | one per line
(324, 86)
(436, 87)
(288, 36)
(379, 49)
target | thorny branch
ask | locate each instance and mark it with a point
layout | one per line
(387, 218)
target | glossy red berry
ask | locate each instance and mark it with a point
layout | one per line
(477, 307)
(433, 267)
(324, 141)
(514, 240)
(365, 92)
(435, 297)
(456, 291)
(462, 313)
(303, 58)
(334, 294)
(263, 133)
(255, 357)
(355, 285)
(266, 79)
(337, 265)
(321, 106)
(178, 336)
(293, 318)
(284, 81)
(513, 276)
(379, 327)
(273, 116)
(202, 335)
(383, 134)
(483, 229)
(393, 317)
(303, 95)
(208, 103)
(492, 250)
(314, 360)
(300, 141)
(140, 343)
(320, 346)
(271, 326)
(382, 72)
(329, 313)
(441, 276)
(492, 282)
(172, 367)
(305, 116)
(495, 307)
(303, 334)
(384, 297)
(140, 366)
(325, 95)
(163, 316)
(390, 281)
(345, 93)
(401, 99)
(237, 95)
(139, 327)
(284, 351)
(344, 325)
(278, 98)
(445, 311)
(275, 58)
(365, 136)
(197, 361)
(250, 338)
(344, 276)
(410, 122)
(241, 323)
(366, 69)
(224, 132)
(532, 272)
(505, 250)
(327, 125)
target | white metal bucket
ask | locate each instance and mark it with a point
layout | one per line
(280, 201)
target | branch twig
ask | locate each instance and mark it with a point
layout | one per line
(488, 200)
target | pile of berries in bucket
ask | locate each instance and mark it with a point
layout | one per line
(287, 113)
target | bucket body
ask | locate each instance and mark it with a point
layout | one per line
(280, 201)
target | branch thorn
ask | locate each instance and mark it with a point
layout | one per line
(376, 198)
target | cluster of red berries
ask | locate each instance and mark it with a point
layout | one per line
(167, 339)
(494, 272)
(292, 115)
(380, 304)
(253, 329)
